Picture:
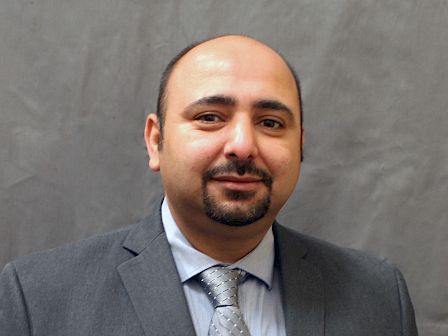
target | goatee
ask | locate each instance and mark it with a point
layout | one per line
(236, 215)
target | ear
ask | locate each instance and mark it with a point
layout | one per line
(152, 140)
(302, 142)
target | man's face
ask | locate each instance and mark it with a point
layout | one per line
(232, 138)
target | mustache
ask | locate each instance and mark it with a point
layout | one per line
(240, 168)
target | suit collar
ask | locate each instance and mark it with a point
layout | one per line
(152, 281)
(302, 285)
(145, 231)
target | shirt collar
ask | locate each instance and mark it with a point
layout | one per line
(190, 262)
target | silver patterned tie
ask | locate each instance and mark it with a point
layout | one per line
(221, 285)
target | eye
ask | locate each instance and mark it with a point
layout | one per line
(209, 118)
(271, 123)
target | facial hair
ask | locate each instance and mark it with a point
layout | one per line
(236, 216)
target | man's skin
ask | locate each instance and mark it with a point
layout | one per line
(231, 99)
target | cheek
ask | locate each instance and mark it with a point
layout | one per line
(289, 173)
(285, 167)
(192, 155)
(281, 161)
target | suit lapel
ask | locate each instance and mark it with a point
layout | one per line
(302, 285)
(153, 283)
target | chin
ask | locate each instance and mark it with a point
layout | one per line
(239, 210)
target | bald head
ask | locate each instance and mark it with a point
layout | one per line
(220, 52)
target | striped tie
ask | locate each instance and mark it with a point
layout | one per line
(221, 285)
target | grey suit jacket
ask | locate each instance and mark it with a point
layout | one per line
(126, 283)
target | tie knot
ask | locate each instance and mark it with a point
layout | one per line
(221, 285)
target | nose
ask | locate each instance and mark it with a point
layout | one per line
(241, 143)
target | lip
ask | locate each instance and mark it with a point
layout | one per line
(237, 179)
(238, 183)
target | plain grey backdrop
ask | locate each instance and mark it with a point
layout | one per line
(77, 79)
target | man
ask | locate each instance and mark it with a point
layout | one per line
(227, 140)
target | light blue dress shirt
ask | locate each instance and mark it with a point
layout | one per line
(259, 294)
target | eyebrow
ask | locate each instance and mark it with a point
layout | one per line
(269, 104)
(214, 100)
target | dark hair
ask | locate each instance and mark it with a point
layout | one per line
(161, 100)
(162, 97)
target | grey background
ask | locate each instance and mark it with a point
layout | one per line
(78, 77)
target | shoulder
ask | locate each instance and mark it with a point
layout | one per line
(335, 262)
(67, 283)
(348, 279)
(90, 260)
(73, 262)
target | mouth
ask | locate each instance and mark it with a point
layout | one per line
(238, 183)
(238, 179)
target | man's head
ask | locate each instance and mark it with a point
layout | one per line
(232, 135)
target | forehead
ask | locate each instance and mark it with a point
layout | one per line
(241, 68)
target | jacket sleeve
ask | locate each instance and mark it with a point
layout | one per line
(13, 310)
(408, 325)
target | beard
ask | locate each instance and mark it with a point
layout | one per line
(236, 215)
